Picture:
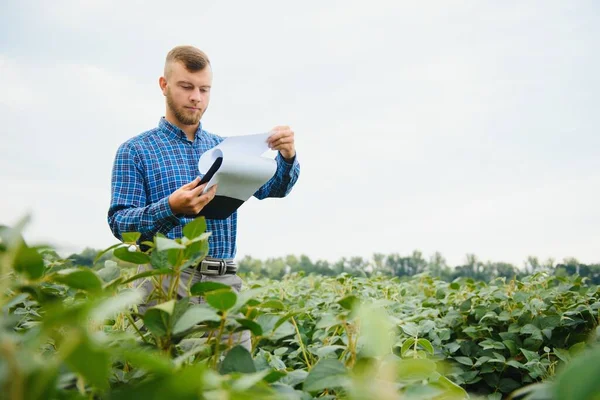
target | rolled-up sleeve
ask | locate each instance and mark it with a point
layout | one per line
(129, 209)
(283, 181)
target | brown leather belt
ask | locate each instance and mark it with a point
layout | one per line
(216, 266)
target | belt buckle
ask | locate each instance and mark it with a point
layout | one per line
(220, 269)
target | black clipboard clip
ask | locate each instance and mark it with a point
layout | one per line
(211, 171)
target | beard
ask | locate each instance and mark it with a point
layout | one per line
(183, 115)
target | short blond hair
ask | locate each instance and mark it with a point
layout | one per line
(191, 57)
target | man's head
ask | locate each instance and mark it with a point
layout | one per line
(186, 84)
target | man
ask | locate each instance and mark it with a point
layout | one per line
(155, 174)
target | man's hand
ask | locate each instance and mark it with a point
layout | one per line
(188, 199)
(282, 139)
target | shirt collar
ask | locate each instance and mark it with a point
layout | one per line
(175, 131)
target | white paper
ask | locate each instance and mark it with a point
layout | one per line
(244, 170)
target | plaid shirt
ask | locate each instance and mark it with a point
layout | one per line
(151, 166)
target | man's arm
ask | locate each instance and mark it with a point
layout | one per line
(129, 211)
(284, 179)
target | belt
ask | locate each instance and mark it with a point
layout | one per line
(216, 266)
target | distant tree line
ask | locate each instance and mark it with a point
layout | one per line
(406, 266)
(393, 265)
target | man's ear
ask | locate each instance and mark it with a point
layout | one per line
(162, 82)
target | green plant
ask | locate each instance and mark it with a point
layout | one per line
(77, 332)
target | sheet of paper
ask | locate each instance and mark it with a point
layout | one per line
(243, 170)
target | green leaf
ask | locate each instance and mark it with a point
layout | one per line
(349, 302)
(464, 360)
(274, 375)
(530, 329)
(580, 380)
(284, 318)
(410, 329)
(255, 328)
(179, 308)
(466, 305)
(195, 251)
(451, 390)
(79, 278)
(512, 347)
(482, 360)
(18, 299)
(324, 351)
(327, 321)
(488, 344)
(109, 272)
(376, 331)
(406, 346)
(499, 357)
(562, 354)
(201, 288)
(425, 344)
(515, 363)
(194, 315)
(150, 272)
(134, 257)
(238, 359)
(161, 259)
(184, 383)
(195, 228)
(247, 296)
(247, 381)
(29, 262)
(222, 299)
(295, 377)
(272, 303)
(577, 348)
(91, 361)
(268, 321)
(530, 355)
(167, 306)
(130, 237)
(150, 360)
(328, 373)
(550, 321)
(415, 369)
(280, 351)
(116, 304)
(156, 321)
(284, 330)
(163, 244)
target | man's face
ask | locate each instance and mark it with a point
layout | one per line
(188, 93)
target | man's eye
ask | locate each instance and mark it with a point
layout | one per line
(187, 87)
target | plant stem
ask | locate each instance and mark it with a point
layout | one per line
(351, 346)
(135, 327)
(415, 349)
(219, 335)
(301, 344)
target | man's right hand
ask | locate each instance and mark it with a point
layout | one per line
(188, 199)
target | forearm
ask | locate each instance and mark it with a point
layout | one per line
(148, 220)
(284, 179)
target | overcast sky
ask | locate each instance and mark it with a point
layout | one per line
(459, 127)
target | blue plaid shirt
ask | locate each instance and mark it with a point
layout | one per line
(151, 166)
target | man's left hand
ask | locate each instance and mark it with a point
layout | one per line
(282, 139)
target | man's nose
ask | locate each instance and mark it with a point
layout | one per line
(196, 97)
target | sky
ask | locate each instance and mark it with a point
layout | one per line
(464, 127)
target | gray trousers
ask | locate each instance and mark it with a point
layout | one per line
(187, 278)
